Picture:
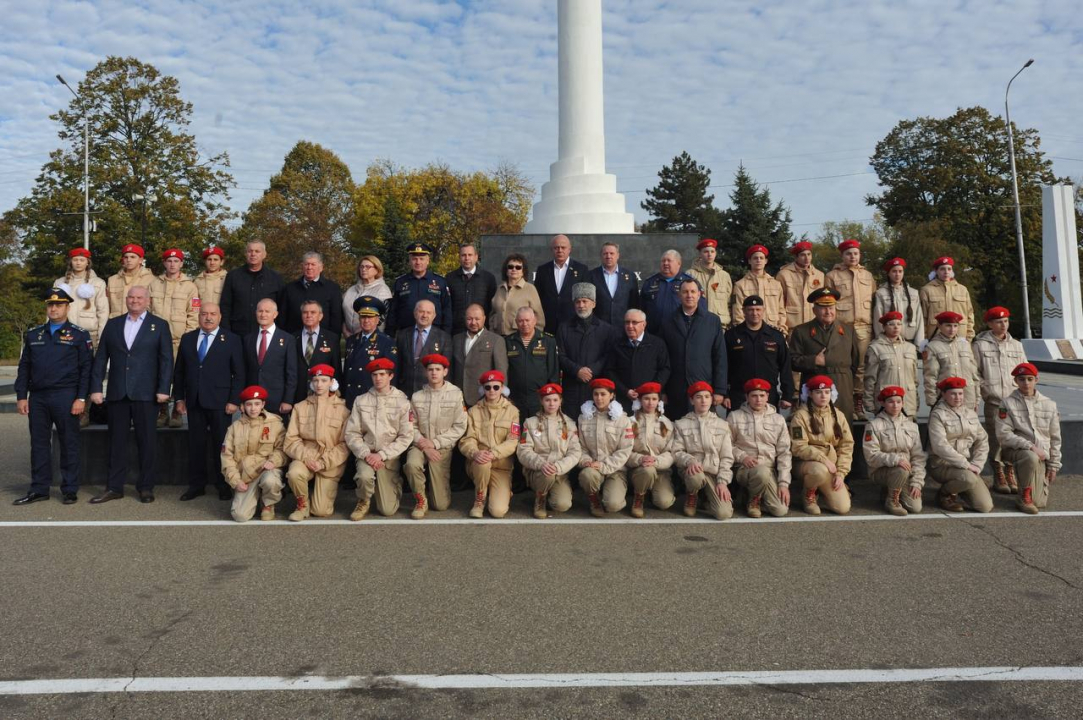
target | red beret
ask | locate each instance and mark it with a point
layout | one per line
(254, 392)
(698, 387)
(800, 247)
(951, 383)
(324, 369)
(214, 251)
(550, 389)
(492, 376)
(172, 253)
(889, 392)
(996, 313)
(819, 382)
(1025, 369)
(132, 249)
(949, 317)
(894, 262)
(757, 384)
(79, 252)
(849, 245)
(889, 316)
(943, 261)
(435, 358)
(649, 388)
(380, 364)
(756, 249)
(603, 383)
(707, 242)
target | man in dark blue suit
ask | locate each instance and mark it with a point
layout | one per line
(207, 384)
(270, 360)
(316, 345)
(554, 281)
(364, 347)
(618, 289)
(416, 342)
(697, 350)
(137, 347)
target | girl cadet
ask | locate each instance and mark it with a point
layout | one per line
(1028, 430)
(548, 450)
(893, 453)
(651, 460)
(492, 434)
(605, 434)
(761, 450)
(892, 361)
(823, 443)
(703, 451)
(897, 295)
(958, 447)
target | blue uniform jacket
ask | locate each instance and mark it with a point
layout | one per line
(50, 362)
(405, 293)
(660, 298)
(359, 353)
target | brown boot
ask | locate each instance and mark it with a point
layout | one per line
(419, 506)
(1026, 502)
(540, 511)
(163, 416)
(859, 405)
(754, 507)
(360, 511)
(690, 504)
(478, 511)
(302, 510)
(638, 500)
(1009, 475)
(268, 513)
(949, 502)
(596, 507)
(894, 507)
(1000, 480)
(811, 507)
(176, 420)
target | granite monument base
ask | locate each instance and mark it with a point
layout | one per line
(639, 253)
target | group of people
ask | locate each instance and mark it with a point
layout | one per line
(511, 381)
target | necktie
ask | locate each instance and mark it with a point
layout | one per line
(635, 343)
(310, 348)
(419, 343)
(262, 347)
(203, 346)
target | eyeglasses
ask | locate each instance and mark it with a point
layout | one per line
(367, 266)
(515, 267)
(492, 388)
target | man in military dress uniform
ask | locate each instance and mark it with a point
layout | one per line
(364, 347)
(825, 346)
(420, 283)
(54, 370)
(754, 349)
(532, 362)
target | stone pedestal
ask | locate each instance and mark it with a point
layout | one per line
(1062, 298)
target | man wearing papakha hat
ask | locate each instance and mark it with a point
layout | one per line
(944, 294)
(421, 283)
(997, 353)
(174, 296)
(131, 273)
(583, 346)
(716, 283)
(856, 287)
(51, 387)
(826, 346)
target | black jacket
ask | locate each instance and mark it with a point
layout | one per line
(762, 354)
(242, 291)
(629, 367)
(278, 373)
(558, 307)
(325, 352)
(611, 308)
(696, 352)
(215, 382)
(324, 291)
(582, 344)
(480, 289)
(140, 373)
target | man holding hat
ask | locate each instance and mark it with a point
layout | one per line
(856, 288)
(583, 345)
(757, 282)
(173, 296)
(438, 416)
(209, 282)
(420, 283)
(1028, 431)
(716, 283)
(754, 349)
(798, 279)
(949, 355)
(892, 361)
(944, 294)
(51, 387)
(826, 346)
(997, 353)
(365, 346)
(131, 273)
(316, 446)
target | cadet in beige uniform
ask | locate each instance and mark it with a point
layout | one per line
(605, 435)
(944, 294)
(716, 283)
(651, 461)
(997, 353)
(252, 458)
(549, 450)
(897, 295)
(703, 451)
(893, 453)
(798, 279)
(1028, 430)
(823, 443)
(378, 433)
(891, 360)
(173, 297)
(439, 418)
(949, 355)
(761, 449)
(90, 307)
(856, 287)
(316, 445)
(209, 282)
(757, 282)
(958, 448)
(131, 273)
(492, 434)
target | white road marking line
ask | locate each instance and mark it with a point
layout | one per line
(403, 521)
(310, 683)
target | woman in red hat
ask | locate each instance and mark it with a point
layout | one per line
(958, 447)
(761, 449)
(253, 458)
(855, 286)
(893, 454)
(949, 355)
(703, 452)
(90, 310)
(891, 360)
(548, 450)
(944, 294)
(896, 295)
(605, 434)
(757, 282)
(824, 446)
(1028, 430)
(489, 444)
(651, 461)
(997, 353)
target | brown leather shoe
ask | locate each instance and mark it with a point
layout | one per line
(106, 497)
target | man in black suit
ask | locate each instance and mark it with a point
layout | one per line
(312, 285)
(554, 281)
(207, 384)
(270, 360)
(138, 350)
(469, 284)
(618, 289)
(244, 287)
(636, 358)
(416, 342)
(315, 346)
(697, 350)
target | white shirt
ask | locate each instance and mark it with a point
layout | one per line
(131, 328)
(259, 338)
(470, 340)
(611, 280)
(560, 271)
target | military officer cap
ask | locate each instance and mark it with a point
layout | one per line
(584, 290)
(57, 295)
(604, 383)
(321, 369)
(819, 382)
(949, 317)
(889, 392)
(550, 389)
(752, 301)
(380, 364)
(823, 296)
(996, 313)
(254, 392)
(419, 248)
(889, 316)
(368, 306)
(649, 388)
(951, 383)
(435, 359)
(756, 384)
(698, 387)
(1025, 369)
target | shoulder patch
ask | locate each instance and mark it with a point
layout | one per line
(797, 432)
(868, 435)
(514, 429)
(1003, 414)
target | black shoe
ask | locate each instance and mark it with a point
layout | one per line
(106, 497)
(70, 498)
(225, 493)
(146, 496)
(31, 497)
(191, 494)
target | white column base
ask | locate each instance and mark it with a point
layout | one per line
(581, 204)
(1053, 349)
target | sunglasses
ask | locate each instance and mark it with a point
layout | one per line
(515, 267)
(492, 388)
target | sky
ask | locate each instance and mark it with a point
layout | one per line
(799, 91)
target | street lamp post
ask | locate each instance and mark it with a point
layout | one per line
(86, 167)
(1018, 216)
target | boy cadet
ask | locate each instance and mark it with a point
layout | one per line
(131, 273)
(209, 282)
(892, 361)
(315, 444)
(944, 294)
(1028, 430)
(757, 282)
(174, 297)
(997, 353)
(856, 287)
(761, 449)
(949, 355)
(378, 433)
(252, 458)
(716, 282)
(438, 415)
(703, 451)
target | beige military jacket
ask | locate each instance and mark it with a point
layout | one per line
(1026, 422)
(317, 432)
(380, 423)
(774, 306)
(889, 363)
(707, 440)
(945, 358)
(249, 443)
(956, 438)
(913, 330)
(209, 286)
(549, 439)
(797, 285)
(439, 415)
(762, 435)
(90, 313)
(493, 427)
(117, 288)
(936, 297)
(995, 360)
(856, 287)
(717, 287)
(888, 440)
(177, 301)
(653, 437)
(605, 437)
(825, 444)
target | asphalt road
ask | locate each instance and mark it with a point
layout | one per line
(410, 598)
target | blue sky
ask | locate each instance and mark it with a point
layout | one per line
(798, 91)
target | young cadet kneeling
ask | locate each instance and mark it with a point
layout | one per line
(492, 434)
(958, 447)
(439, 419)
(548, 450)
(1028, 430)
(651, 459)
(893, 453)
(252, 458)
(703, 450)
(605, 434)
(761, 449)
(315, 444)
(378, 433)
(822, 441)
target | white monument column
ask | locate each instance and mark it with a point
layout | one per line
(580, 197)
(1062, 304)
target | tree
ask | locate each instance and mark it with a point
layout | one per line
(19, 309)
(952, 176)
(307, 207)
(139, 148)
(875, 238)
(752, 220)
(680, 203)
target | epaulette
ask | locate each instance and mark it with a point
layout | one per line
(77, 327)
(545, 334)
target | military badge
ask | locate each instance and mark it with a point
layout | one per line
(868, 435)
(1002, 414)
(797, 433)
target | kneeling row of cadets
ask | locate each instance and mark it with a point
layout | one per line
(753, 447)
